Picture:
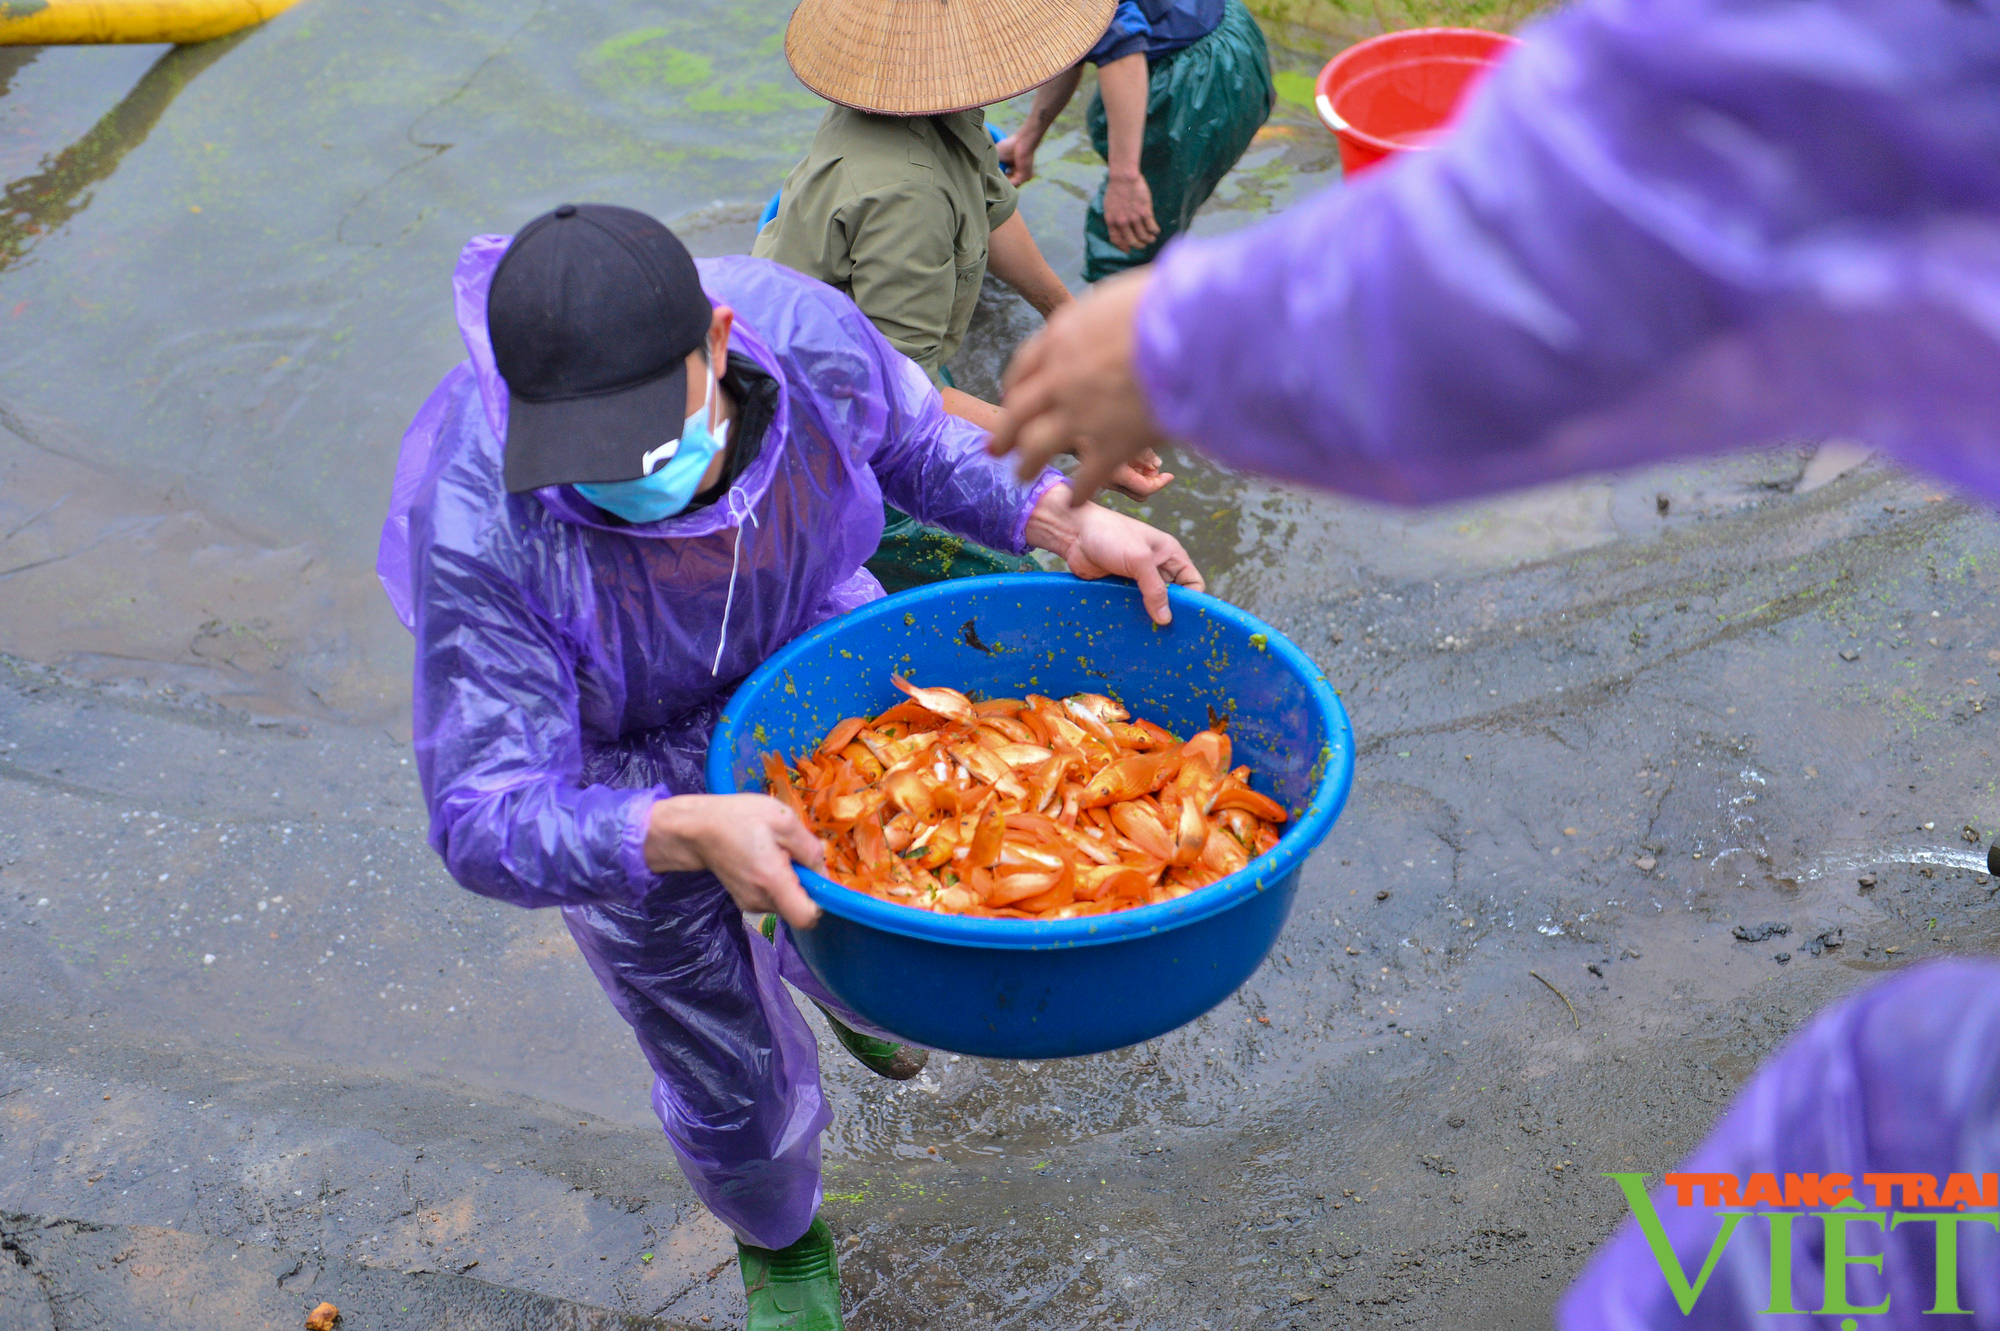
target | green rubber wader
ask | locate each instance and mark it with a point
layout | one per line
(1204, 103)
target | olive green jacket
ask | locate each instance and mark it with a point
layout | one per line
(895, 211)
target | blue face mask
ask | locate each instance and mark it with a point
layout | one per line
(673, 470)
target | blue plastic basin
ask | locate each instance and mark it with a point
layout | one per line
(1023, 988)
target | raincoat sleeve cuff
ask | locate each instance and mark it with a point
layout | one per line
(1047, 481)
(632, 847)
(935, 467)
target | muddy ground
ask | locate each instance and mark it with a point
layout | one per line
(259, 1051)
(256, 1050)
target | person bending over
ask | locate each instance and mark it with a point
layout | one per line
(648, 476)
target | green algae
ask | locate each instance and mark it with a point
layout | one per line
(749, 97)
(1327, 25)
(1294, 86)
(647, 56)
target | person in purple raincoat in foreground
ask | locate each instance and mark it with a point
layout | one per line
(1900, 1079)
(694, 463)
(1661, 228)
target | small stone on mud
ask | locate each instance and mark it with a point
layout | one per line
(1757, 933)
(1970, 833)
(1782, 958)
(1633, 953)
(1645, 864)
(1383, 895)
(1867, 880)
(1850, 655)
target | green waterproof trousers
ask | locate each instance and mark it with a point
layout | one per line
(913, 555)
(1204, 104)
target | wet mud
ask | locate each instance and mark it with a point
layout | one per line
(1515, 964)
(1625, 742)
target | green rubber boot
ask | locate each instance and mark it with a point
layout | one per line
(795, 1288)
(884, 1058)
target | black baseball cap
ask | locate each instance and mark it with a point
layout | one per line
(592, 314)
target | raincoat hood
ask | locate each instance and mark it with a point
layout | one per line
(470, 284)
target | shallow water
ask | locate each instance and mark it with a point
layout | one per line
(228, 288)
(224, 290)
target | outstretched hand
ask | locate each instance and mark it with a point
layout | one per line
(1139, 479)
(1071, 389)
(1096, 542)
(748, 841)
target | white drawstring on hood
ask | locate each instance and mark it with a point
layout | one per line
(735, 557)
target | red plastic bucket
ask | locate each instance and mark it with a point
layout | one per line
(1397, 92)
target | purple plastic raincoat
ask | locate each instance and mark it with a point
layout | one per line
(1662, 227)
(569, 671)
(1901, 1078)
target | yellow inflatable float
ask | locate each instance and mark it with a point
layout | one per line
(74, 22)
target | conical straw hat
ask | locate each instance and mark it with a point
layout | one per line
(927, 57)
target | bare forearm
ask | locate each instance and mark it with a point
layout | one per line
(966, 407)
(1123, 85)
(1050, 99)
(1014, 258)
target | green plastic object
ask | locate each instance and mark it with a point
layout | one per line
(796, 1288)
(913, 555)
(884, 1058)
(1204, 104)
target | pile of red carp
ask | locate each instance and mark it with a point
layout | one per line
(1027, 808)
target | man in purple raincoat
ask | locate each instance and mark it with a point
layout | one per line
(1900, 1081)
(694, 463)
(1662, 227)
